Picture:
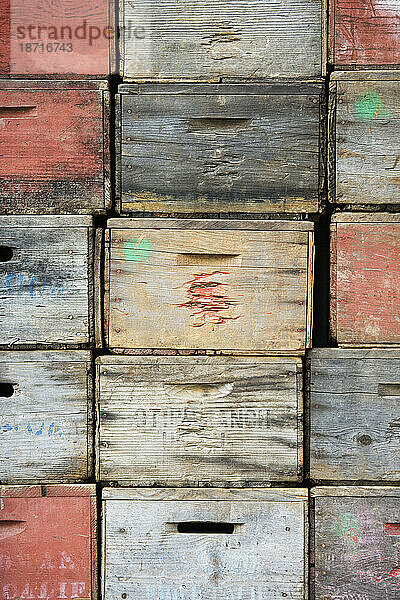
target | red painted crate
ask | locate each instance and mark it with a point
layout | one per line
(54, 147)
(364, 33)
(365, 279)
(61, 38)
(48, 546)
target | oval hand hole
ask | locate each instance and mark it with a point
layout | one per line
(6, 253)
(6, 390)
(206, 527)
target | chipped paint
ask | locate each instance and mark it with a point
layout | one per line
(369, 106)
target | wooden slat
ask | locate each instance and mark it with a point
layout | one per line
(207, 494)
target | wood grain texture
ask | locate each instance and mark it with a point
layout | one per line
(355, 415)
(218, 288)
(54, 140)
(145, 556)
(64, 38)
(197, 40)
(186, 150)
(48, 538)
(206, 494)
(46, 425)
(199, 421)
(364, 141)
(356, 553)
(365, 271)
(46, 285)
(364, 33)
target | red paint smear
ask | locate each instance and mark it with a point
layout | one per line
(207, 300)
(392, 528)
(364, 34)
(368, 283)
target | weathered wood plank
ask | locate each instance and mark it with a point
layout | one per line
(357, 544)
(209, 41)
(48, 542)
(216, 290)
(364, 33)
(193, 151)
(55, 156)
(146, 555)
(355, 415)
(205, 494)
(46, 423)
(365, 144)
(46, 278)
(226, 421)
(366, 280)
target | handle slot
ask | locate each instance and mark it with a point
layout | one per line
(208, 260)
(198, 390)
(18, 112)
(11, 528)
(212, 124)
(6, 253)
(389, 389)
(7, 390)
(205, 527)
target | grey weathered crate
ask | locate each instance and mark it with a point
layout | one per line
(211, 544)
(356, 539)
(46, 281)
(355, 415)
(217, 421)
(364, 138)
(220, 148)
(209, 284)
(46, 422)
(202, 40)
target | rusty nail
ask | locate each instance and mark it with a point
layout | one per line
(70, 317)
(119, 271)
(117, 240)
(129, 167)
(287, 529)
(123, 595)
(104, 444)
(323, 545)
(128, 139)
(117, 331)
(70, 251)
(122, 530)
(129, 111)
(104, 415)
(323, 572)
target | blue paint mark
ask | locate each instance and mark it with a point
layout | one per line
(53, 430)
(15, 281)
(40, 431)
(29, 428)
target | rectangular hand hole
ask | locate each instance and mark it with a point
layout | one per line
(18, 112)
(389, 389)
(212, 260)
(210, 124)
(205, 527)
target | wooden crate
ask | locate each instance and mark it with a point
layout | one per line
(365, 279)
(364, 34)
(205, 284)
(220, 148)
(48, 542)
(355, 415)
(364, 134)
(191, 544)
(46, 422)
(55, 149)
(46, 281)
(217, 421)
(356, 538)
(207, 41)
(56, 39)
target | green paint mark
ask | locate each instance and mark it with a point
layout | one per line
(349, 527)
(137, 250)
(369, 105)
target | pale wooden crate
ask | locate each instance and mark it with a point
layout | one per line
(146, 556)
(182, 421)
(365, 279)
(355, 538)
(209, 284)
(355, 414)
(364, 134)
(46, 421)
(195, 148)
(46, 281)
(206, 41)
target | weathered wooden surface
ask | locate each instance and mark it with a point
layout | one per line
(357, 544)
(364, 33)
(48, 542)
(146, 556)
(199, 40)
(365, 279)
(355, 415)
(222, 148)
(60, 39)
(190, 421)
(219, 285)
(54, 147)
(46, 422)
(364, 138)
(46, 278)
